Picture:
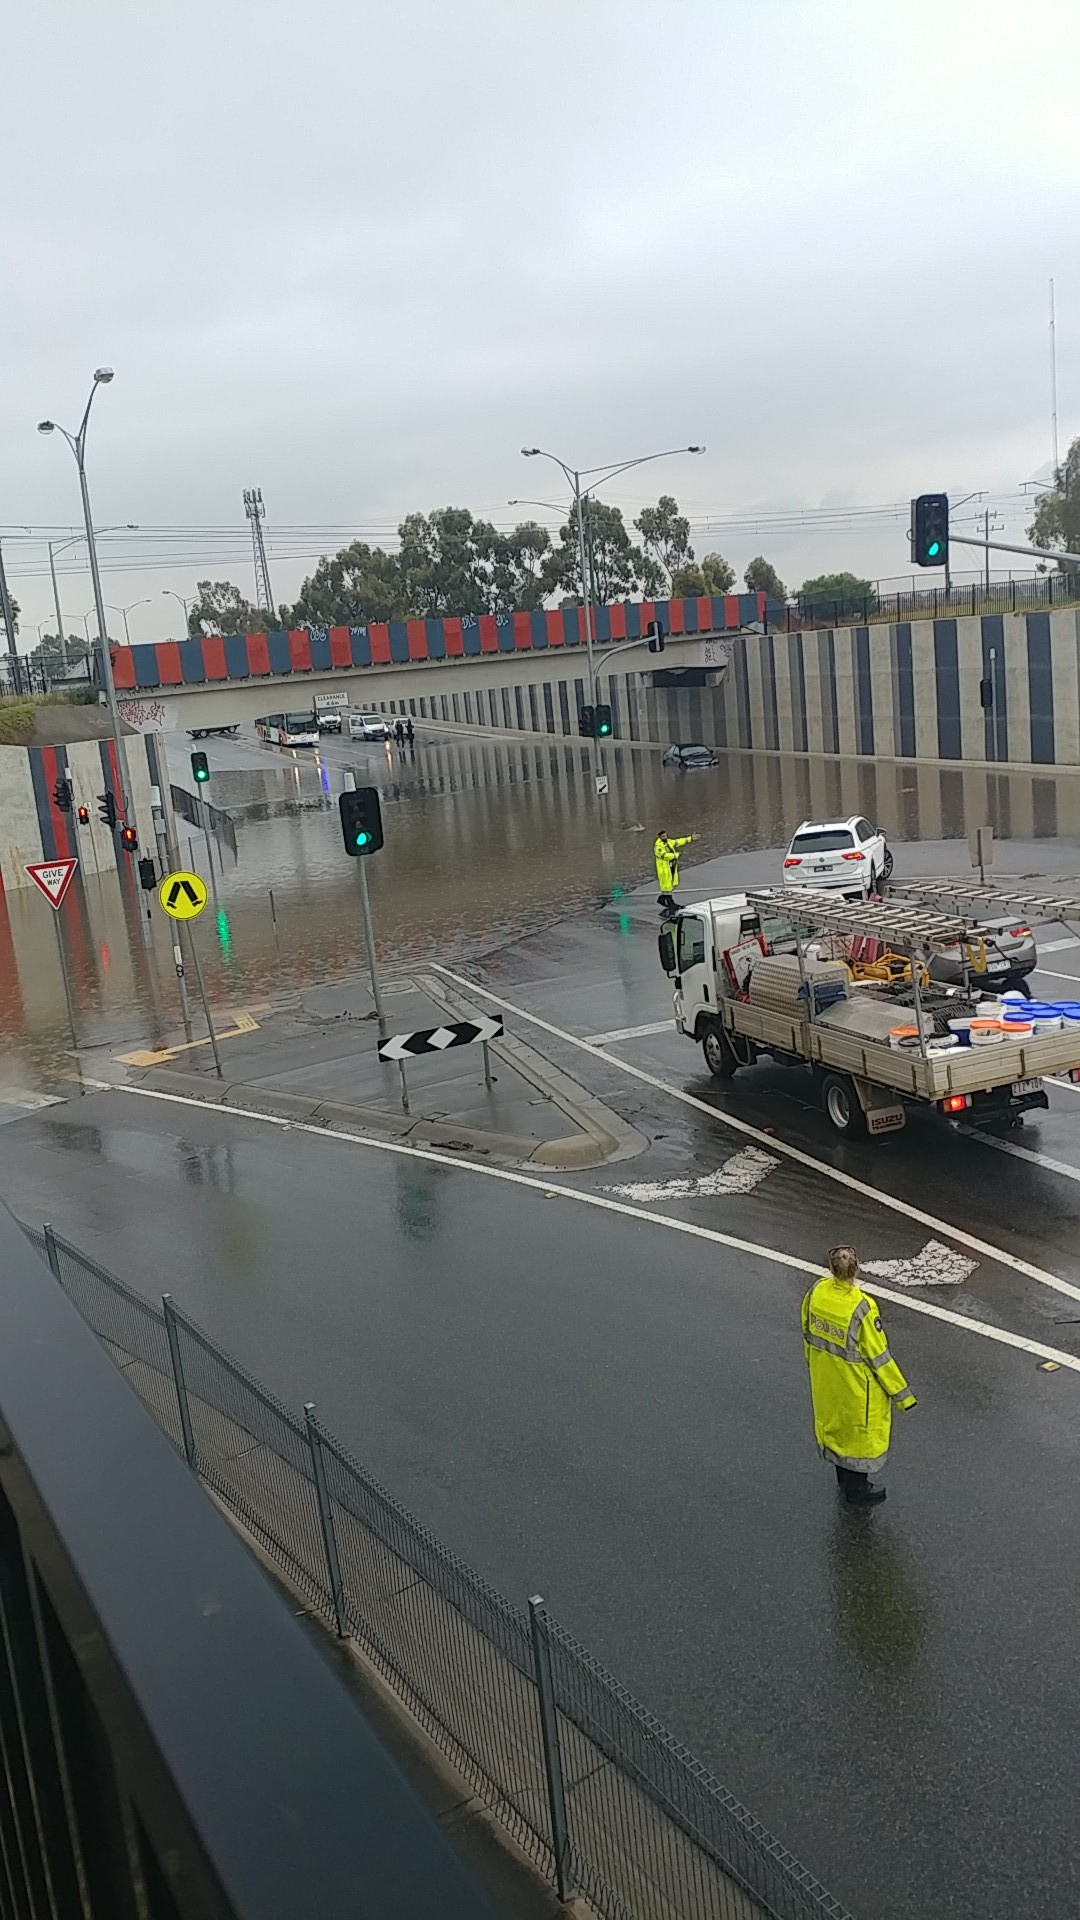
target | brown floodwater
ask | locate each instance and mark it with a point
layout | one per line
(486, 841)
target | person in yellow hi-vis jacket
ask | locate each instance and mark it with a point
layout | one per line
(666, 849)
(854, 1380)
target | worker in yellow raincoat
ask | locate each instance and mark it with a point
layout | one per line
(854, 1381)
(666, 855)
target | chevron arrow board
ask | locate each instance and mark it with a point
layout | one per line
(456, 1033)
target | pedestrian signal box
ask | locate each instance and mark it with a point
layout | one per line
(603, 722)
(586, 722)
(200, 770)
(129, 840)
(82, 814)
(361, 821)
(930, 530)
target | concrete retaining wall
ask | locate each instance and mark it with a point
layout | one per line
(32, 826)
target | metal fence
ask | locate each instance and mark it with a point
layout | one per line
(956, 602)
(603, 1800)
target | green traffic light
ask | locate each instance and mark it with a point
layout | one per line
(934, 547)
(363, 837)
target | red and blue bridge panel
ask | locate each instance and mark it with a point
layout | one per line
(253, 656)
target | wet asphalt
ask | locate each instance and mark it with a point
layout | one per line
(594, 1405)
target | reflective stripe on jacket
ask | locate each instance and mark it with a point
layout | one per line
(854, 1380)
(666, 855)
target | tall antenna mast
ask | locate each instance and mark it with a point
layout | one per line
(1053, 384)
(256, 513)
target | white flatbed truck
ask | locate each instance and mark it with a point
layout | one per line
(750, 980)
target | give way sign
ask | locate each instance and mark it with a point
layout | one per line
(53, 877)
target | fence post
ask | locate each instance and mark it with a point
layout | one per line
(172, 1334)
(549, 1732)
(326, 1520)
(51, 1252)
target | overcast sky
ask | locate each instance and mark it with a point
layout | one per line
(358, 255)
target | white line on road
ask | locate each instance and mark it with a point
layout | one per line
(980, 1327)
(741, 1174)
(771, 1142)
(627, 1033)
(1024, 1153)
(1049, 974)
(1058, 946)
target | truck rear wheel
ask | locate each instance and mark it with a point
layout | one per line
(717, 1050)
(842, 1103)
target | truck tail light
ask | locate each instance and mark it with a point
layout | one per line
(793, 860)
(853, 856)
(956, 1102)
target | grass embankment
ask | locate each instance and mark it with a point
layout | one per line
(17, 711)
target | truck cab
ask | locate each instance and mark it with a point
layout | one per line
(691, 950)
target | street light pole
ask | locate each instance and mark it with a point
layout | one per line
(77, 443)
(575, 476)
(123, 612)
(56, 604)
(171, 594)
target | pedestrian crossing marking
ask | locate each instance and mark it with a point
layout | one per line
(936, 1266)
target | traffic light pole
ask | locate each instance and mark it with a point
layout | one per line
(1002, 546)
(369, 938)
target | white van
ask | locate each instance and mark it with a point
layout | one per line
(368, 726)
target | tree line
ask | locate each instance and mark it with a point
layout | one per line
(448, 562)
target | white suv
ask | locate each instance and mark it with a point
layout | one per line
(850, 855)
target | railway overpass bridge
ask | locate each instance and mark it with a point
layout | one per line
(525, 670)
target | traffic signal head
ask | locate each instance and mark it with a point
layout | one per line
(129, 839)
(657, 637)
(586, 722)
(62, 795)
(82, 815)
(602, 716)
(930, 529)
(107, 808)
(361, 821)
(199, 768)
(147, 876)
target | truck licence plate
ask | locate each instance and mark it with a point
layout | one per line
(1026, 1086)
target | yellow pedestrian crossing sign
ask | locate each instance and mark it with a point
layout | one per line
(182, 895)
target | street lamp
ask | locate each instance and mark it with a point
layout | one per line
(61, 546)
(77, 443)
(171, 594)
(124, 611)
(575, 476)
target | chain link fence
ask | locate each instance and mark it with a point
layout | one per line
(603, 1800)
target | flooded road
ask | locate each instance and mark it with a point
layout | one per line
(487, 840)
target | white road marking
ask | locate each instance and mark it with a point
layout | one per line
(17, 1097)
(741, 1174)
(1024, 1153)
(628, 1033)
(1058, 946)
(1070, 1086)
(673, 1225)
(772, 1143)
(1049, 974)
(935, 1266)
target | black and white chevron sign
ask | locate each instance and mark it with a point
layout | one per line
(456, 1033)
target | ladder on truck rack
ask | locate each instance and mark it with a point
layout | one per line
(903, 927)
(964, 896)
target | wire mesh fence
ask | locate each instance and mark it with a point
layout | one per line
(855, 609)
(597, 1793)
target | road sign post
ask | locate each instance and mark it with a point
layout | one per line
(455, 1033)
(53, 878)
(168, 859)
(183, 896)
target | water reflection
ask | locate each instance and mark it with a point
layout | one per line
(486, 840)
(880, 1608)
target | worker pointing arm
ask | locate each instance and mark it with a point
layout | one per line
(666, 848)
